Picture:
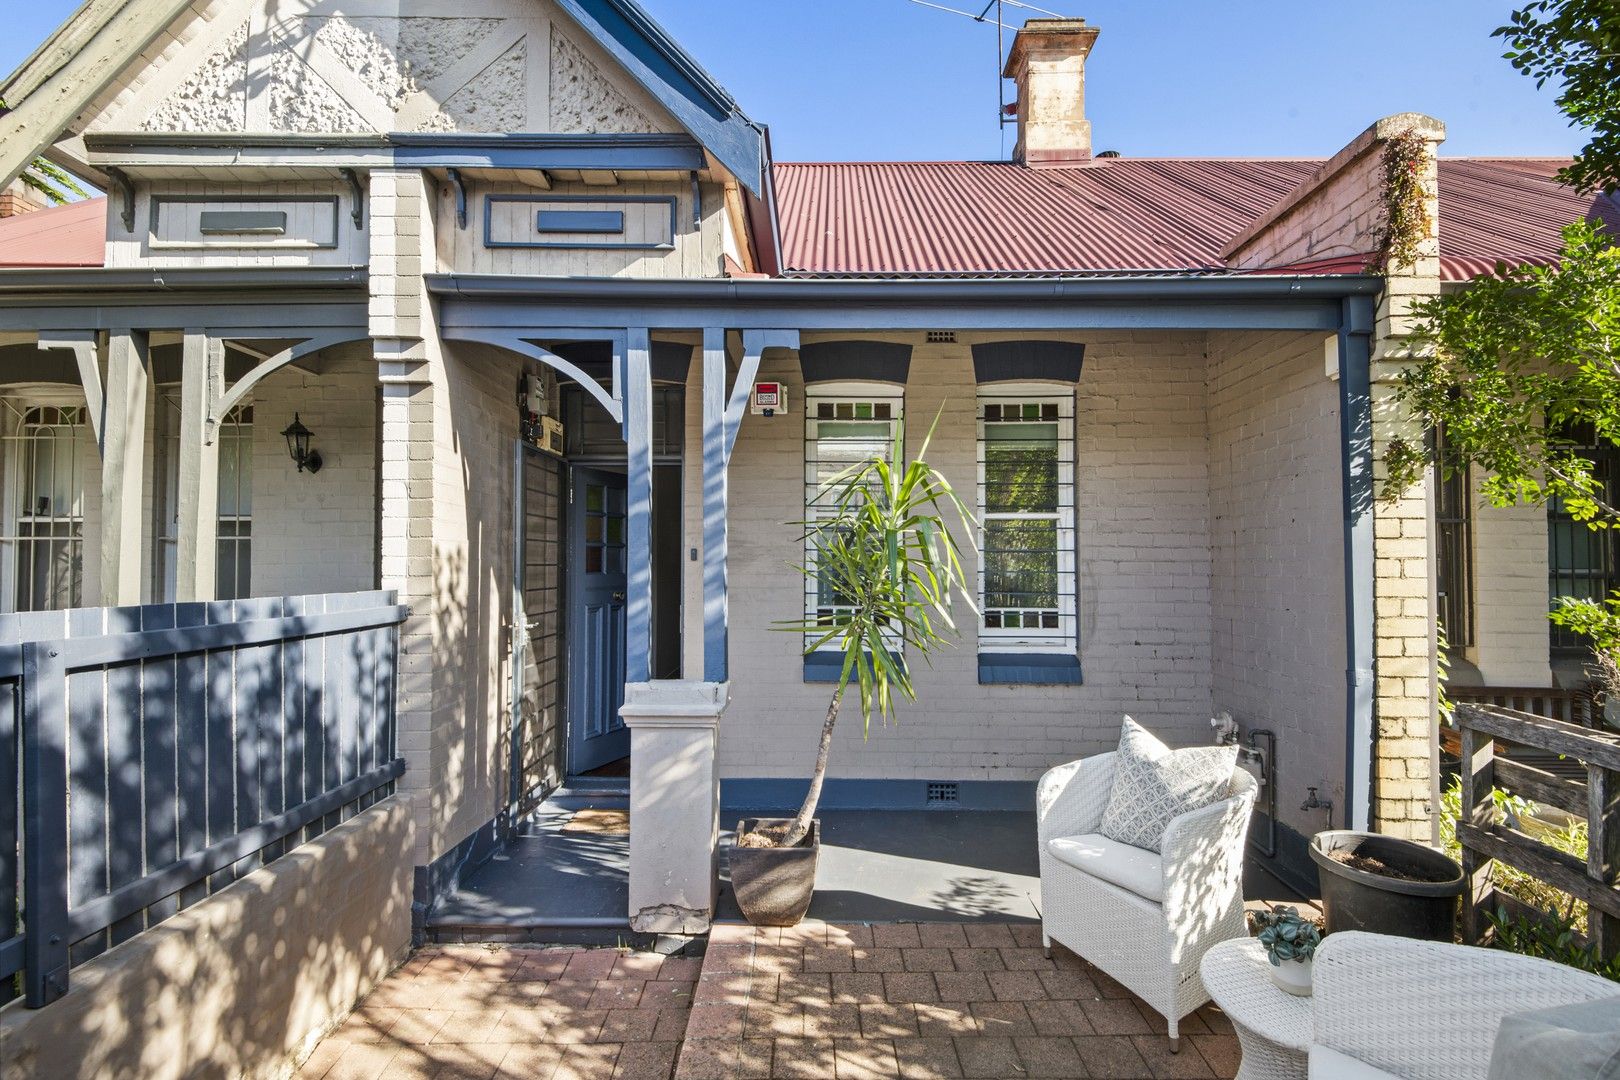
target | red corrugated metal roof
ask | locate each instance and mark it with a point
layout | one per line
(71, 235)
(1117, 215)
(1126, 214)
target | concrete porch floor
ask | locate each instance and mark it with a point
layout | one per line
(551, 886)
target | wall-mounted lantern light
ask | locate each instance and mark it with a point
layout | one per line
(297, 436)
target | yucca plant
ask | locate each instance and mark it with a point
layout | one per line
(879, 533)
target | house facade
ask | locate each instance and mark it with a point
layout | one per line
(574, 352)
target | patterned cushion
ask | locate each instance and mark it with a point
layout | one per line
(1154, 785)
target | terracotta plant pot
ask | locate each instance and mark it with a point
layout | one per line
(774, 885)
(1293, 976)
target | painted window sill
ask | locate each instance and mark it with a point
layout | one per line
(1029, 669)
(826, 667)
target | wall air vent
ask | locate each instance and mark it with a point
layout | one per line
(942, 337)
(940, 793)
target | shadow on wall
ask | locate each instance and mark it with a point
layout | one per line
(243, 983)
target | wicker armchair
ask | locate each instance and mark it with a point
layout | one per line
(1423, 1010)
(1145, 919)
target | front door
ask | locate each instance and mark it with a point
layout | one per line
(596, 587)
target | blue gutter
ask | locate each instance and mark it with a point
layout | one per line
(1356, 446)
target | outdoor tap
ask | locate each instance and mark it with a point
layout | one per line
(1315, 802)
(1225, 728)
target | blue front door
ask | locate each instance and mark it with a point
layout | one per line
(596, 586)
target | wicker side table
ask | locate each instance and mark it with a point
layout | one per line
(1273, 1027)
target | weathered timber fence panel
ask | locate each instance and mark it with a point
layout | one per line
(152, 755)
(1573, 706)
(1596, 881)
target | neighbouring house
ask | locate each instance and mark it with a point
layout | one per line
(528, 278)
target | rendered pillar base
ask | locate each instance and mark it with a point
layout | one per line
(674, 803)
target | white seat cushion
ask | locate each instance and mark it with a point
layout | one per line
(1133, 869)
(1328, 1064)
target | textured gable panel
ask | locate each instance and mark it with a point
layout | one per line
(379, 66)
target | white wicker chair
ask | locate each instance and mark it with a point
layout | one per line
(1425, 1010)
(1151, 945)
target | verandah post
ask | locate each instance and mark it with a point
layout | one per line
(123, 439)
(202, 369)
(637, 397)
(716, 602)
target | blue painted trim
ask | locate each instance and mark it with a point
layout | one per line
(823, 667)
(842, 361)
(669, 201)
(636, 388)
(1089, 304)
(1022, 361)
(827, 666)
(678, 82)
(652, 153)
(769, 793)
(716, 600)
(1355, 430)
(610, 222)
(1029, 669)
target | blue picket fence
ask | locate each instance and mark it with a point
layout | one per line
(158, 753)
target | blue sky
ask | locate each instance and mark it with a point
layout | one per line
(891, 80)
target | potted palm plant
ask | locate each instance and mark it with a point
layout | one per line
(881, 546)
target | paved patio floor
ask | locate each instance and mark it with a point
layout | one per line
(823, 1001)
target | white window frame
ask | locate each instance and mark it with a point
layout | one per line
(834, 394)
(1064, 636)
(81, 445)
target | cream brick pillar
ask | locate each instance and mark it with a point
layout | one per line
(674, 803)
(1403, 576)
(407, 353)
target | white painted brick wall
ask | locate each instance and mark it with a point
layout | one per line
(1277, 530)
(316, 533)
(1145, 605)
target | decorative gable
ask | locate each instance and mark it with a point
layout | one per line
(310, 66)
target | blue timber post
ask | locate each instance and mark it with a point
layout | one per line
(716, 609)
(636, 388)
(1355, 428)
(722, 420)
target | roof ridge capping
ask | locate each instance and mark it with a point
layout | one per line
(1377, 132)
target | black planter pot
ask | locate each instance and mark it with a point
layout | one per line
(1355, 899)
(773, 886)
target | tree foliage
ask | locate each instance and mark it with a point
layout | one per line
(884, 549)
(1576, 45)
(1521, 369)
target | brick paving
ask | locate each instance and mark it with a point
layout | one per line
(916, 1001)
(472, 1012)
(819, 1001)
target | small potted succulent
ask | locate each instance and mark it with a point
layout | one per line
(1290, 941)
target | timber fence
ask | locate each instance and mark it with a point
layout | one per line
(1486, 733)
(150, 756)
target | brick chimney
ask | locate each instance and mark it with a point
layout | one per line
(1048, 64)
(18, 199)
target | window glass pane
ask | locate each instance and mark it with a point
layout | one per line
(1020, 564)
(1021, 468)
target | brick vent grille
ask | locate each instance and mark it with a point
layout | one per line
(942, 337)
(942, 792)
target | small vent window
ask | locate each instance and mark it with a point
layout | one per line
(942, 792)
(942, 337)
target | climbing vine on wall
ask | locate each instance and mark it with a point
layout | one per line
(1406, 203)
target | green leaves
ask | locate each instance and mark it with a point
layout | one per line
(1576, 45)
(882, 545)
(1522, 370)
(1286, 935)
